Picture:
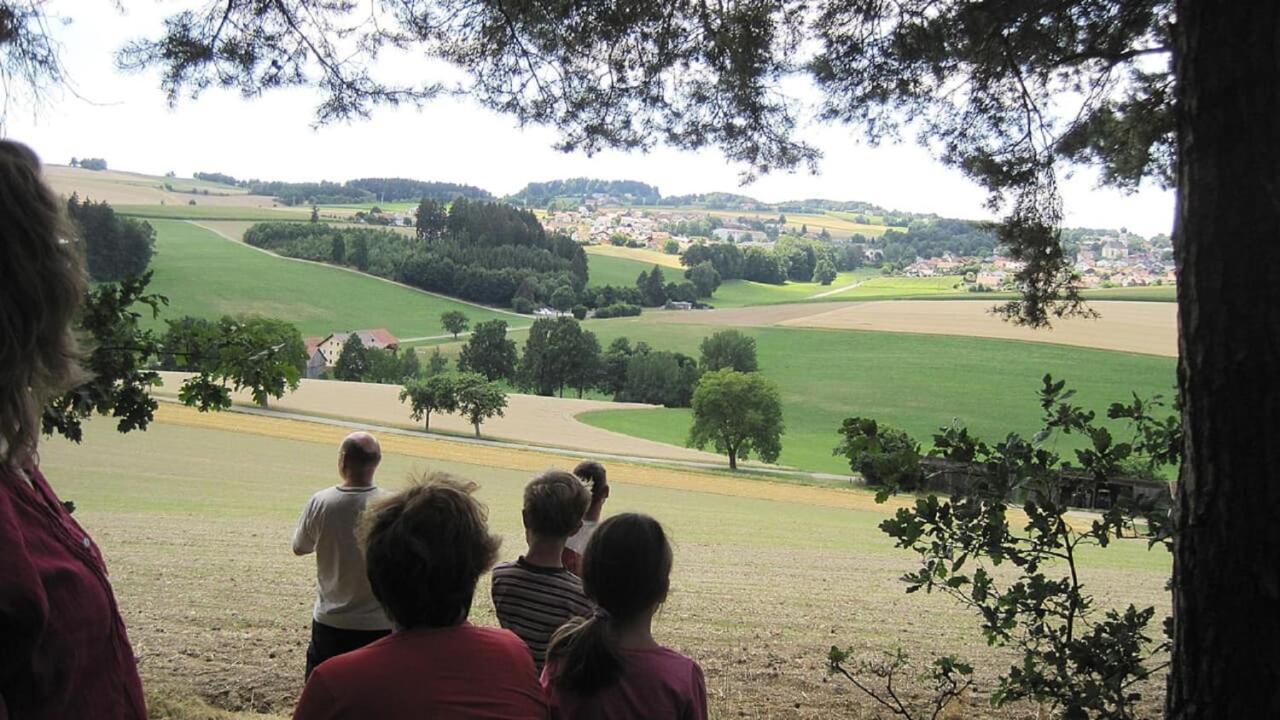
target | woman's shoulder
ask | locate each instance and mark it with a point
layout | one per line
(670, 663)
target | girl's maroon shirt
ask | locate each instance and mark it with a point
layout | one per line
(64, 652)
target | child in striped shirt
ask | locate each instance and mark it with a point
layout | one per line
(534, 595)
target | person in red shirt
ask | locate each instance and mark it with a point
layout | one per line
(64, 652)
(425, 548)
(609, 666)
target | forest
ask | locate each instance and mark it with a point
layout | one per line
(360, 190)
(485, 252)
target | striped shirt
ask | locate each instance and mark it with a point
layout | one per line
(533, 602)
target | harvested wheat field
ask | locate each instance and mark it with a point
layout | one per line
(194, 517)
(531, 419)
(1150, 328)
(125, 188)
(651, 257)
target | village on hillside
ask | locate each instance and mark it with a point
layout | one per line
(1103, 260)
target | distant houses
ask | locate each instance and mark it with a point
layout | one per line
(323, 352)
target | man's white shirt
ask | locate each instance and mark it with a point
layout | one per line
(328, 528)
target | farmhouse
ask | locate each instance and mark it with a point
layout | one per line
(330, 347)
(315, 359)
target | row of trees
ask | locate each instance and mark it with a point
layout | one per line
(357, 363)
(485, 252)
(470, 394)
(656, 292)
(934, 238)
(89, 163)
(115, 247)
(559, 354)
(360, 190)
(791, 259)
(540, 194)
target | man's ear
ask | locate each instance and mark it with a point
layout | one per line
(524, 517)
(577, 528)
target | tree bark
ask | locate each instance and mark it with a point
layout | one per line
(733, 459)
(1226, 593)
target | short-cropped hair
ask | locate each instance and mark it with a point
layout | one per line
(425, 548)
(554, 503)
(357, 456)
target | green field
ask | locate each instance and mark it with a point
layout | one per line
(874, 286)
(195, 523)
(390, 207)
(213, 212)
(741, 293)
(916, 382)
(609, 270)
(205, 275)
(871, 285)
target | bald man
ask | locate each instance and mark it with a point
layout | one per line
(346, 615)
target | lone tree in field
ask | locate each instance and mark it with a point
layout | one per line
(479, 399)
(729, 349)
(1182, 92)
(353, 361)
(489, 352)
(438, 393)
(454, 321)
(705, 278)
(737, 414)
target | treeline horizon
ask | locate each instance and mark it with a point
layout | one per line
(541, 194)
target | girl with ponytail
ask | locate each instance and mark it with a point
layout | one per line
(608, 665)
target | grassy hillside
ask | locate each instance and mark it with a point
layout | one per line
(740, 293)
(610, 270)
(641, 255)
(871, 285)
(206, 275)
(213, 212)
(917, 382)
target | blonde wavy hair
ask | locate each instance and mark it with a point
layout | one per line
(42, 284)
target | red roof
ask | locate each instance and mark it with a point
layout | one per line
(313, 343)
(378, 337)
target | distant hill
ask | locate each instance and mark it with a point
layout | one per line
(628, 192)
(360, 190)
(399, 189)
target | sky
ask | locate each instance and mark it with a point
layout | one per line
(125, 119)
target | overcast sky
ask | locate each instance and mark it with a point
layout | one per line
(125, 119)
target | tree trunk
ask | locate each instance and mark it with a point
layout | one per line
(733, 458)
(477, 429)
(1226, 594)
(426, 422)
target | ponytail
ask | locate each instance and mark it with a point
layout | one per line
(587, 658)
(626, 571)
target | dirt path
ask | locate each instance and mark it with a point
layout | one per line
(532, 460)
(529, 418)
(836, 291)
